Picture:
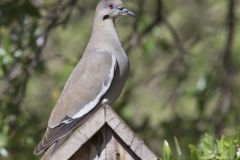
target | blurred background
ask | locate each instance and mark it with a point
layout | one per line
(184, 79)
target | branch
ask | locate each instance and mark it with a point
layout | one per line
(176, 38)
(137, 36)
(224, 103)
(230, 35)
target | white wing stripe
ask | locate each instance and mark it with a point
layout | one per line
(88, 107)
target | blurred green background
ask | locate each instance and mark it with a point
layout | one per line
(184, 79)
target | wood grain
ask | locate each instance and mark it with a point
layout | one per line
(104, 136)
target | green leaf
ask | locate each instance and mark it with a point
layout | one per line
(179, 152)
(166, 151)
(194, 152)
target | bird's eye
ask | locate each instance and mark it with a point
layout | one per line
(110, 6)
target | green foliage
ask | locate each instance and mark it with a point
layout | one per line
(222, 149)
(208, 149)
(19, 33)
(16, 11)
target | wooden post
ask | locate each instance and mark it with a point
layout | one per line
(104, 136)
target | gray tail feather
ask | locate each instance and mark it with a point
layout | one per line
(50, 150)
(57, 135)
(54, 137)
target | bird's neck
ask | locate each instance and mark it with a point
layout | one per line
(104, 34)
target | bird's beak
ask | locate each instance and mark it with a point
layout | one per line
(125, 12)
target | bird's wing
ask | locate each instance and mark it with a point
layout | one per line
(87, 84)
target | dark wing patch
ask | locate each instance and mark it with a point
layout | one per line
(52, 135)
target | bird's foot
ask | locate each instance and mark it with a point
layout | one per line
(105, 102)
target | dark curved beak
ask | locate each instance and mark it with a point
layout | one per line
(124, 11)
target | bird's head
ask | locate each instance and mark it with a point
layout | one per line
(111, 9)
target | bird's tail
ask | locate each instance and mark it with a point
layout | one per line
(53, 136)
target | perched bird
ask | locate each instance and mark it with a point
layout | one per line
(97, 79)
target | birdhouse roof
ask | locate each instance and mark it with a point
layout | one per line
(103, 117)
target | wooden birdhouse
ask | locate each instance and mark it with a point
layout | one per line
(103, 136)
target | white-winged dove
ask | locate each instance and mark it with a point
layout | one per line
(98, 78)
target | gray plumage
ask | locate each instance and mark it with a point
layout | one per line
(100, 74)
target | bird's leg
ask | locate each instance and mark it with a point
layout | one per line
(105, 102)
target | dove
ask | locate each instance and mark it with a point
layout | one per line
(97, 79)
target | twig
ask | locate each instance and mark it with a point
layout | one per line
(225, 100)
(137, 37)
